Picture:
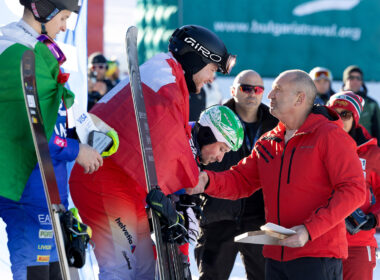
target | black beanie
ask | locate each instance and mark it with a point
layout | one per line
(204, 135)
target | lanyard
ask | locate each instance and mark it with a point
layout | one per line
(248, 142)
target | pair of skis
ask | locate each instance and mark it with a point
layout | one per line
(170, 265)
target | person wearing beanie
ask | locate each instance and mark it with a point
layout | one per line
(353, 80)
(322, 78)
(98, 83)
(361, 224)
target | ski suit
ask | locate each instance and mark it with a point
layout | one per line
(17, 155)
(362, 246)
(22, 200)
(114, 204)
(319, 194)
(30, 233)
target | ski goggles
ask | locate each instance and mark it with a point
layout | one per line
(322, 75)
(230, 63)
(53, 47)
(251, 88)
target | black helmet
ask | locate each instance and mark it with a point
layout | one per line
(194, 47)
(45, 10)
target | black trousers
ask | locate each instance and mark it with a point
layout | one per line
(216, 252)
(44, 272)
(304, 268)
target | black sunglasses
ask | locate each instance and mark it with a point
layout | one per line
(354, 78)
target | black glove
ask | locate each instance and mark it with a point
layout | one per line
(371, 222)
(76, 236)
(173, 222)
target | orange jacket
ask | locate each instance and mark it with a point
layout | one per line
(315, 179)
(167, 105)
(369, 154)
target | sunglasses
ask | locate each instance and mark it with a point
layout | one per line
(355, 78)
(53, 47)
(99, 66)
(251, 88)
(345, 115)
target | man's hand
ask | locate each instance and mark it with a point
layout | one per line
(296, 240)
(200, 187)
(89, 158)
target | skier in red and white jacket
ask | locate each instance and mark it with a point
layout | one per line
(115, 197)
(362, 223)
(310, 182)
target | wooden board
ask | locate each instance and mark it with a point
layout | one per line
(257, 237)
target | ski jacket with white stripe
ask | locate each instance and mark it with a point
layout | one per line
(167, 105)
(314, 179)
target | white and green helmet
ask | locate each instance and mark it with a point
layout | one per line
(224, 124)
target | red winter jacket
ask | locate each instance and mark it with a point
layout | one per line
(369, 154)
(315, 180)
(167, 104)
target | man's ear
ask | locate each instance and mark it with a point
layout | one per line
(301, 98)
(233, 91)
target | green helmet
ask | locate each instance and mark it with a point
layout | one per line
(224, 124)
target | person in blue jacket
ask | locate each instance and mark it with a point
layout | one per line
(30, 235)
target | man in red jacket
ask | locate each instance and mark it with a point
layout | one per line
(113, 201)
(310, 182)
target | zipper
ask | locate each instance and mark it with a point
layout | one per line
(278, 196)
(290, 164)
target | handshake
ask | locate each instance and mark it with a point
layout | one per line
(203, 181)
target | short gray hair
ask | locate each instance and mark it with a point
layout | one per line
(302, 82)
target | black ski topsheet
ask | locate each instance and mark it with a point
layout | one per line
(169, 263)
(28, 79)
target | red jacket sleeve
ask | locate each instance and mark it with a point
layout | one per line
(240, 181)
(346, 176)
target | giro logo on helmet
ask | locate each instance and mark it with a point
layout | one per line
(205, 52)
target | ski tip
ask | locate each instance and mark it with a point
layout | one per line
(132, 30)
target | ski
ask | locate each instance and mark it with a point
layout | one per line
(169, 262)
(53, 200)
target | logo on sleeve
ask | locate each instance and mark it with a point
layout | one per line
(43, 258)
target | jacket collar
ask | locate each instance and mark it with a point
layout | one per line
(318, 116)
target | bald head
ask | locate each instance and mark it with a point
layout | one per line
(250, 77)
(301, 82)
(247, 91)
